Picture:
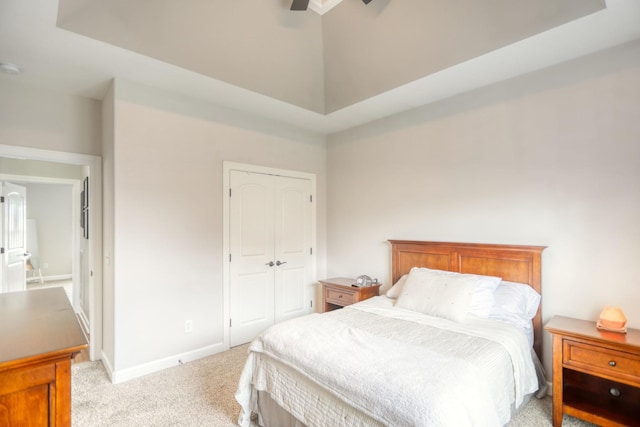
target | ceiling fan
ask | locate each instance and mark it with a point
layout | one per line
(304, 4)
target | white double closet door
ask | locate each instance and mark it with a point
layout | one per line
(271, 254)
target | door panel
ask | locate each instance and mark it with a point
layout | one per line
(256, 238)
(293, 247)
(251, 246)
(293, 299)
(14, 237)
(291, 217)
(253, 293)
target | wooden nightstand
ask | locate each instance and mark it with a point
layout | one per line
(596, 374)
(338, 292)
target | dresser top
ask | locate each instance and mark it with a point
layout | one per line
(568, 326)
(37, 323)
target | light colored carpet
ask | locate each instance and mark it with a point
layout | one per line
(199, 393)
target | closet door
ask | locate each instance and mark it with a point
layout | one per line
(292, 247)
(252, 255)
(270, 252)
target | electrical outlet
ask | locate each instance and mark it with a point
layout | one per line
(188, 326)
(45, 265)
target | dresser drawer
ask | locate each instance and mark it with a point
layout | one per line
(341, 297)
(617, 364)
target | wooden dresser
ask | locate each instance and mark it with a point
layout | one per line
(39, 336)
(338, 293)
(596, 374)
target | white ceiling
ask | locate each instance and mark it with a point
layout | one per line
(61, 60)
(323, 6)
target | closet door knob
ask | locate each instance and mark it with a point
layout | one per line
(270, 264)
(280, 263)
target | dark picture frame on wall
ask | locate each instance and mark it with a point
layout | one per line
(84, 213)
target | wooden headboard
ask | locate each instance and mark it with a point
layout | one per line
(513, 263)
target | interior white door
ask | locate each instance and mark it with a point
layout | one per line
(270, 222)
(14, 237)
(252, 261)
(292, 247)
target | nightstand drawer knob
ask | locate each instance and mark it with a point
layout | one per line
(339, 296)
(612, 363)
(614, 392)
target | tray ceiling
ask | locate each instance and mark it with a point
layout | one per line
(323, 72)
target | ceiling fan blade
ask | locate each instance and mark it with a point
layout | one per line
(366, 1)
(300, 5)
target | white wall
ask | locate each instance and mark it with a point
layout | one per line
(39, 118)
(167, 199)
(108, 307)
(50, 206)
(552, 158)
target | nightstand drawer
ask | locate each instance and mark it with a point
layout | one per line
(341, 297)
(618, 364)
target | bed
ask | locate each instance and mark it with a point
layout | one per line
(387, 361)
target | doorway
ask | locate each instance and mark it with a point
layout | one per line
(53, 237)
(45, 166)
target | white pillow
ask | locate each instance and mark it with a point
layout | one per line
(515, 303)
(437, 293)
(483, 295)
(481, 299)
(395, 290)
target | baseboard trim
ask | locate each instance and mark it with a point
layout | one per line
(168, 362)
(107, 365)
(50, 278)
(84, 324)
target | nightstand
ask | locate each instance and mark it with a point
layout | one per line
(338, 292)
(596, 374)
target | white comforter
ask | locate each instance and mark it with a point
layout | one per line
(374, 364)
